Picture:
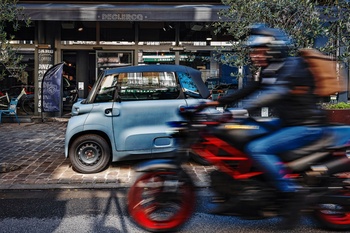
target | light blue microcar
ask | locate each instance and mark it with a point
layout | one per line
(126, 112)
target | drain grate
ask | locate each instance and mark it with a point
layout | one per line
(8, 167)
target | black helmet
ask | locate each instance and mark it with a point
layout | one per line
(276, 40)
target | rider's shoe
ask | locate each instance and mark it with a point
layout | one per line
(294, 202)
(222, 206)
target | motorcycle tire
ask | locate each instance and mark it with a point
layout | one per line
(333, 216)
(161, 201)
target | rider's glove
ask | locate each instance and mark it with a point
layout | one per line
(204, 105)
(201, 106)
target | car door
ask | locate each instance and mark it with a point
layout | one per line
(147, 101)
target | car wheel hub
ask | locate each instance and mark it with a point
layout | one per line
(89, 154)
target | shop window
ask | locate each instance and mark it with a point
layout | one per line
(112, 59)
(25, 34)
(78, 31)
(117, 32)
(156, 31)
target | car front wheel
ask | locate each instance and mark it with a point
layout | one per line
(89, 154)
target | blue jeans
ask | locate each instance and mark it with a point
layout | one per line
(263, 152)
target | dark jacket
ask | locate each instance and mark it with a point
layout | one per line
(288, 88)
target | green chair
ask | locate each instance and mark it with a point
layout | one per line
(12, 110)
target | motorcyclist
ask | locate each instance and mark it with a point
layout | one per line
(286, 84)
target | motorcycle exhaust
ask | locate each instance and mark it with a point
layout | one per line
(341, 164)
(303, 163)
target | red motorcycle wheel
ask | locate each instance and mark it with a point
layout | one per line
(158, 201)
(333, 216)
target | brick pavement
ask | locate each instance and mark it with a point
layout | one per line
(32, 157)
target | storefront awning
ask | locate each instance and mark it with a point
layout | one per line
(116, 12)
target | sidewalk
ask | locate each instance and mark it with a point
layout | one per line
(32, 157)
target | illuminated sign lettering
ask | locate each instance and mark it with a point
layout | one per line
(122, 17)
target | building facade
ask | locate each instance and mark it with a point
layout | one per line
(93, 35)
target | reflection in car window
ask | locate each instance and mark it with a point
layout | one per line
(107, 88)
(147, 86)
(189, 87)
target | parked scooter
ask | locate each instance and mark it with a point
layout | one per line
(163, 197)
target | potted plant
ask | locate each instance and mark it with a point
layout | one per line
(338, 112)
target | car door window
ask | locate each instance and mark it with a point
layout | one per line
(107, 89)
(188, 86)
(147, 86)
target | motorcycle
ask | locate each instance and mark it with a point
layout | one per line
(163, 197)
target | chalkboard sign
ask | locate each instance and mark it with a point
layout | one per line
(45, 58)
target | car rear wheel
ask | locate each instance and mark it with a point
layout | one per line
(90, 154)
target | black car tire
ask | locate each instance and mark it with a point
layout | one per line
(90, 154)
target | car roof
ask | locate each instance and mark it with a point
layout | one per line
(150, 68)
(195, 74)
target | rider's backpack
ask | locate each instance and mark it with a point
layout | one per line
(328, 80)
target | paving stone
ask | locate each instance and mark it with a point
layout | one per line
(33, 156)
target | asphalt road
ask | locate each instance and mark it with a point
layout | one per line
(83, 211)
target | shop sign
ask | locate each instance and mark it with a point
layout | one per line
(121, 17)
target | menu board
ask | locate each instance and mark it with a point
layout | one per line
(46, 61)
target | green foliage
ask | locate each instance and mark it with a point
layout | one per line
(10, 63)
(340, 105)
(304, 20)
